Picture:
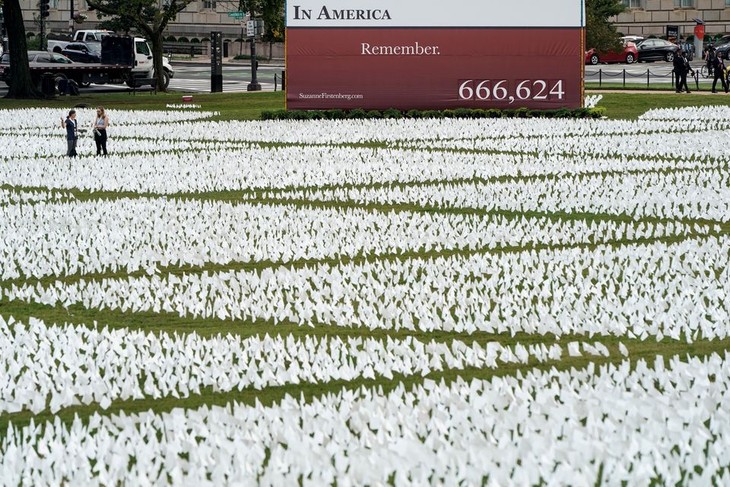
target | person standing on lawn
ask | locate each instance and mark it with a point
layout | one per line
(101, 123)
(72, 133)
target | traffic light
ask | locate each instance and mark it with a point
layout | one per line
(45, 7)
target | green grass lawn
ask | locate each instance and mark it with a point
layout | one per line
(232, 106)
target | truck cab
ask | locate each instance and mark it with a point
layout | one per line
(123, 60)
(144, 64)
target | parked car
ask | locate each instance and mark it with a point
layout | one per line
(626, 55)
(723, 49)
(40, 58)
(656, 50)
(634, 39)
(36, 59)
(79, 52)
(722, 41)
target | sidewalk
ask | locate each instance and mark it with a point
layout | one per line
(655, 92)
(204, 60)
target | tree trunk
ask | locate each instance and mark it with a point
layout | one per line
(21, 85)
(157, 47)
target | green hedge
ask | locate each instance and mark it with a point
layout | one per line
(359, 113)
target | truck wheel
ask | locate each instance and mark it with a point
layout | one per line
(57, 79)
(166, 77)
(57, 50)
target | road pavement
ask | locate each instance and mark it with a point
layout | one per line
(660, 72)
(194, 77)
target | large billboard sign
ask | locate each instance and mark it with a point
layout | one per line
(404, 54)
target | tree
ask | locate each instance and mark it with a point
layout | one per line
(21, 84)
(600, 33)
(148, 18)
(271, 12)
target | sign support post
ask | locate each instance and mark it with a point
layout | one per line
(254, 85)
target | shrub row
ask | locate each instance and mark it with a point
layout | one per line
(359, 113)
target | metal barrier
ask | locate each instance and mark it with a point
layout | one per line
(649, 76)
(281, 78)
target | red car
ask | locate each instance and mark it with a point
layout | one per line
(628, 55)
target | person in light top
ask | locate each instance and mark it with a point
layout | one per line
(101, 123)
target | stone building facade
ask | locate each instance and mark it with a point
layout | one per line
(642, 17)
(196, 21)
(651, 17)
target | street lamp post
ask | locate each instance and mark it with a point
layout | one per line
(254, 85)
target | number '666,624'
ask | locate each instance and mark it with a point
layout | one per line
(503, 90)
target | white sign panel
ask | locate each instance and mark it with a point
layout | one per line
(430, 13)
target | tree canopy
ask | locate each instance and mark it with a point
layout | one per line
(272, 13)
(600, 32)
(147, 17)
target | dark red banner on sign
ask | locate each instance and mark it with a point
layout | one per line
(434, 68)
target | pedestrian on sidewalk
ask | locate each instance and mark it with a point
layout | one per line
(72, 133)
(681, 69)
(718, 69)
(709, 58)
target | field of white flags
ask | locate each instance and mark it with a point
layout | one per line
(366, 302)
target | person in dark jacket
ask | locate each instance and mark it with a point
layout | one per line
(687, 69)
(718, 70)
(681, 68)
(72, 133)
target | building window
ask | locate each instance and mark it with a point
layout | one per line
(635, 3)
(685, 3)
(208, 5)
(53, 4)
